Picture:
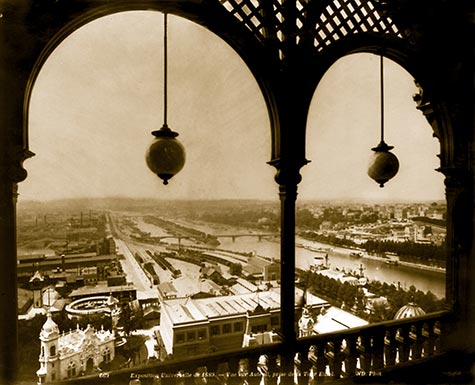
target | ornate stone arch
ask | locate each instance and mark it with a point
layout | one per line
(287, 45)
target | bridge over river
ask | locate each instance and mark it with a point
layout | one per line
(259, 236)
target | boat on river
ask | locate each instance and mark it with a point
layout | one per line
(320, 262)
(394, 262)
(318, 249)
(391, 259)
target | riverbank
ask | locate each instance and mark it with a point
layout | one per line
(356, 254)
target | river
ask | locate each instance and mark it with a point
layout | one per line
(373, 270)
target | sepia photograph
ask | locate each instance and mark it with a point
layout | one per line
(237, 192)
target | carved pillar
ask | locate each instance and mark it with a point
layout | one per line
(11, 172)
(288, 195)
(8, 290)
(460, 287)
(291, 115)
(453, 124)
(287, 178)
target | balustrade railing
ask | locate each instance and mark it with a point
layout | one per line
(370, 351)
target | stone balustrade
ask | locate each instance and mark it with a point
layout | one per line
(366, 352)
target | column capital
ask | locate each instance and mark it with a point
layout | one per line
(288, 174)
(12, 168)
(455, 178)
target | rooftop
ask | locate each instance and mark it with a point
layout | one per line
(99, 289)
(335, 319)
(185, 310)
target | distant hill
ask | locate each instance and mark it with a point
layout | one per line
(136, 204)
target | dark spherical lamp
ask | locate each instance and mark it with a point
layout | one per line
(383, 165)
(166, 155)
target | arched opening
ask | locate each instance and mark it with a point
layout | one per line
(89, 365)
(92, 108)
(383, 245)
(71, 369)
(120, 80)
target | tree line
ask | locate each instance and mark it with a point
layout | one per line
(352, 298)
(408, 250)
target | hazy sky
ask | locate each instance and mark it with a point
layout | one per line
(100, 95)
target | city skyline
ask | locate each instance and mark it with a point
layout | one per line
(99, 96)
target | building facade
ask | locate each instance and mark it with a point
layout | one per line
(199, 326)
(72, 354)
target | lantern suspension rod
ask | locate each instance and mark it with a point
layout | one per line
(165, 65)
(381, 68)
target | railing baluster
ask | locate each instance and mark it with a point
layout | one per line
(200, 375)
(378, 352)
(351, 356)
(428, 339)
(415, 343)
(243, 371)
(322, 361)
(402, 345)
(222, 373)
(437, 336)
(390, 349)
(180, 378)
(314, 362)
(364, 347)
(263, 369)
(297, 368)
(334, 357)
(278, 370)
(319, 362)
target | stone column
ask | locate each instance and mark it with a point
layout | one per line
(11, 172)
(460, 285)
(8, 288)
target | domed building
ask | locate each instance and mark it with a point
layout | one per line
(409, 310)
(67, 355)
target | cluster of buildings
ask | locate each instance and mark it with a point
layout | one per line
(395, 231)
(214, 281)
(53, 283)
(199, 326)
(190, 323)
(398, 211)
(419, 223)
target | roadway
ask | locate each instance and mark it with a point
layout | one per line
(134, 271)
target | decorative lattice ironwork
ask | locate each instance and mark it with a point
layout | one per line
(345, 17)
(250, 13)
(323, 22)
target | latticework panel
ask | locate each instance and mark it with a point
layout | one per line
(324, 22)
(250, 13)
(343, 17)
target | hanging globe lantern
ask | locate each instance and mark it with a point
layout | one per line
(166, 155)
(383, 165)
